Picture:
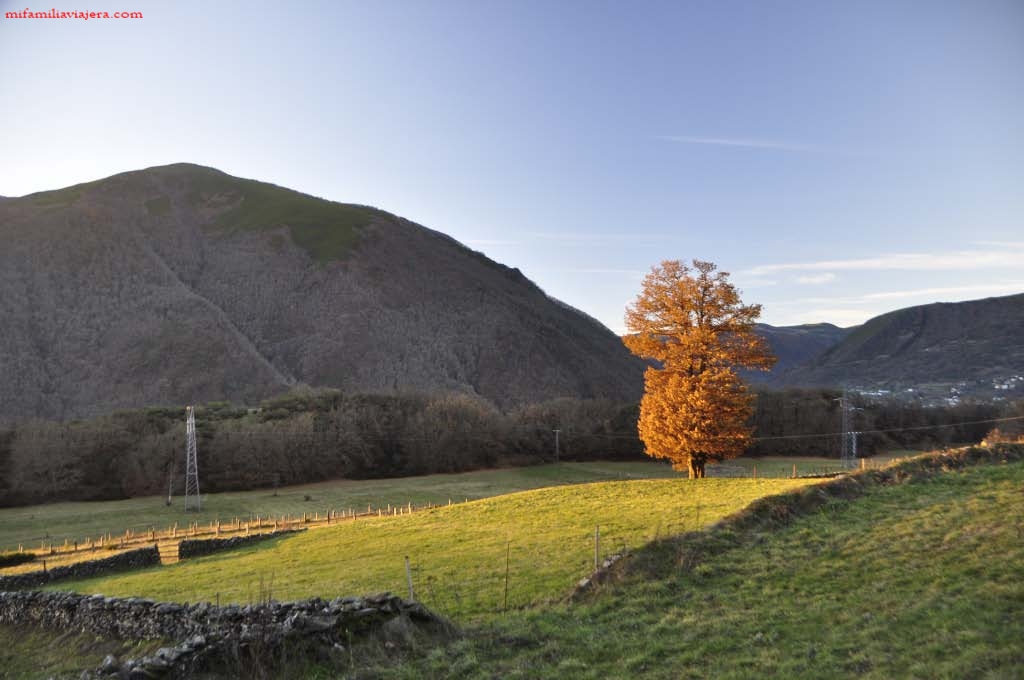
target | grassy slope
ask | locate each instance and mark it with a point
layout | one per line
(58, 521)
(458, 552)
(915, 580)
(325, 229)
(34, 653)
(782, 466)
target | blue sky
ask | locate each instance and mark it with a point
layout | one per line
(840, 159)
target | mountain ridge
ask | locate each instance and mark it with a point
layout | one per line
(941, 343)
(795, 345)
(180, 283)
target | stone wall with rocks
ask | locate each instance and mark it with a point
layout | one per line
(197, 548)
(207, 633)
(133, 559)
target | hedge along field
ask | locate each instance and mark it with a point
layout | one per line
(57, 522)
(458, 553)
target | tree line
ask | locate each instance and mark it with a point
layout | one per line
(297, 438)
(315, 436)
(790, 422)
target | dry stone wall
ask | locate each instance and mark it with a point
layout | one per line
(198, 548)
(206, 634)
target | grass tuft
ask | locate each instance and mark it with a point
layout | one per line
(324, 229)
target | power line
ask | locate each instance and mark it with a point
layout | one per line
(893, 429)
(539, 430)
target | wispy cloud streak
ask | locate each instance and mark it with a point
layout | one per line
(816, 279)
(957, 260)
(764, 144)
(484, 242)
(597, 270)
(1006, 287)
(596, 237)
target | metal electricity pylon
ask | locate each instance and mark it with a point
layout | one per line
(192, 500)
(848, 441)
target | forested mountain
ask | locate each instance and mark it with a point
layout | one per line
(181, 284)
(962, 346)
(795, 345)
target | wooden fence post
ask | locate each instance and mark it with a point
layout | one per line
(508, 551)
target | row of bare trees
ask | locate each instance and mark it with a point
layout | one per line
(301, 438)
(806, 422)
(315, 436)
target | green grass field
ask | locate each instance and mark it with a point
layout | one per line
(458, 553)
(919, 580)
(914, 579)
(55, 522)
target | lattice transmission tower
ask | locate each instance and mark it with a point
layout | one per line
(192, 500)
(848, 442)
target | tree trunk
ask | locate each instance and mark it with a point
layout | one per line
(696, 469)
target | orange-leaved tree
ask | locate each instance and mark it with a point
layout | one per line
(691, 323)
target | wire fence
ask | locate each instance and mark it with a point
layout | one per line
(473, 581)
(167, 539)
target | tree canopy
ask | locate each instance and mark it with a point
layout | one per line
(690, 322)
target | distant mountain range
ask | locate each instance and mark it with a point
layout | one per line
(941, 349)
(181, 284)
(795, 345)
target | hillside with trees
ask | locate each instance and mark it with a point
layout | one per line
(961, 348)
(794, 346)
(181, 284)
(315, 436)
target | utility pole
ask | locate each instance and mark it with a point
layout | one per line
(192, 500)
(556, 444)
(844, 438)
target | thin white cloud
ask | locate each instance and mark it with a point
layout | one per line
(596, 237)
(1008, 287)
(1003, 288)
(763, 144)
(484, 242)
(839, 317)
(956, 260)
(629, 272)
(816, 279)
(1001, 244)
(756, 283)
